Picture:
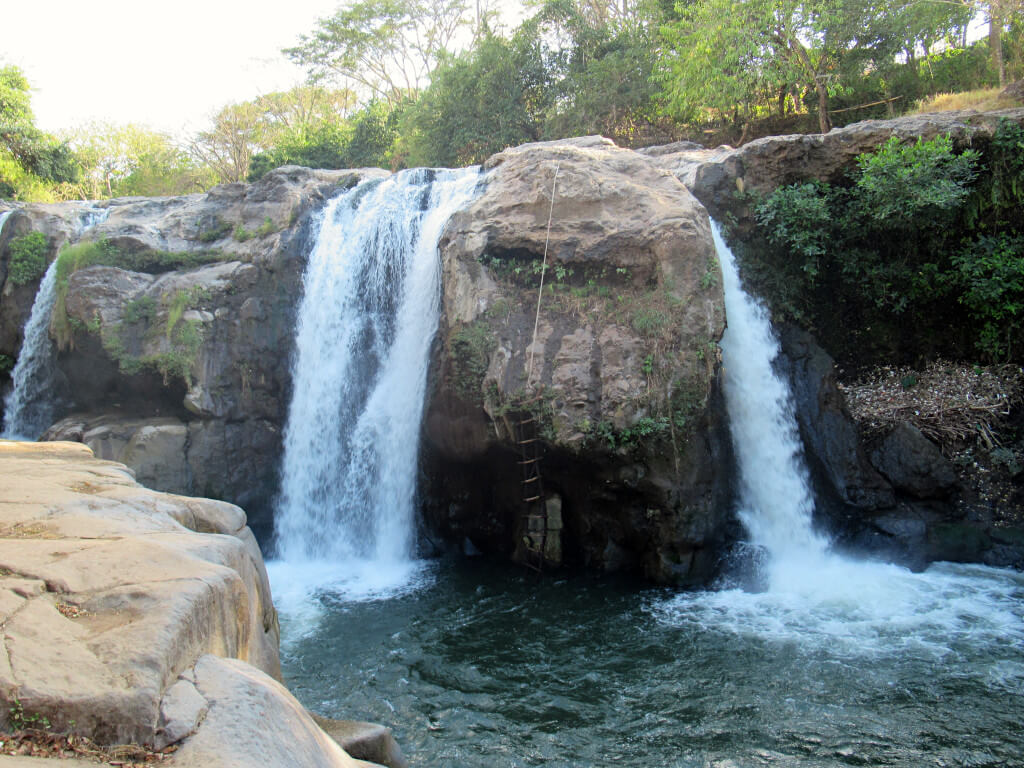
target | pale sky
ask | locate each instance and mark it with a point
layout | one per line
(168, 65)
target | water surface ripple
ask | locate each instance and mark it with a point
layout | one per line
(482, 665)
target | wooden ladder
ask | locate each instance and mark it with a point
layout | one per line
(535, 514)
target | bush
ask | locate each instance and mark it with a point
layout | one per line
(28, 258)
(991, 277)
(907, 186)
(870, 260)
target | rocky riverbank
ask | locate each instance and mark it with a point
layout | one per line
(136, 617)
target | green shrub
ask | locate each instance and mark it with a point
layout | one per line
(103, 253)
(266, 228)
(218, 231)
(28, 258)
(799, 218)
(6, 364)
(902, 186)
(991, 278)
(649, 321)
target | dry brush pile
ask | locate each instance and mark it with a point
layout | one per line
(948, 402)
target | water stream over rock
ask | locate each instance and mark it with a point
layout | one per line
(29, 407)
(365, 324)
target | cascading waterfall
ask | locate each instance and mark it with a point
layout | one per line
(837, 662)
(365, 325)
(775, 494)
(29, 406)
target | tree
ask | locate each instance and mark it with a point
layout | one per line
(603, 65)
(729, 55)
(386, 49)
(124, 160)
(238, 132)
(32, 163)
(480, 102)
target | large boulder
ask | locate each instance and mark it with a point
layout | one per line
(245, 718)
(110, 591)
(914, 464)
(131, 616)
(617, 375)
(831, 440)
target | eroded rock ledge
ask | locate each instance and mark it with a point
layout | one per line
(132, 616)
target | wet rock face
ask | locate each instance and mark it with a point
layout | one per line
(894, 497)
(618, 373)
(830, 437)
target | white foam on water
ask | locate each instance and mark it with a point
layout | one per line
(815, 597)
(306, 592)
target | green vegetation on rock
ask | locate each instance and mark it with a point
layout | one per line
(27, 258)
(919, 237)
(471, 348)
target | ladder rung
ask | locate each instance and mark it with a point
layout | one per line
(532, 498)
(531, 440)
(533, 479)
(528, 461)
(524, 422)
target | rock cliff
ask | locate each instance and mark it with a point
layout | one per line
(175, 330)
(176, 334)
(616, 371)
(724, 178)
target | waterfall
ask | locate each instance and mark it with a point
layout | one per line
(776, 502)
(362, 348)
(29, 406)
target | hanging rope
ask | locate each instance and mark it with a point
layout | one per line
(543, 269)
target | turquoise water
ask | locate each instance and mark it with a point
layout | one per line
(475, 664)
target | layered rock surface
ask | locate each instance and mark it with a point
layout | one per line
(133, 616)
(724, 178)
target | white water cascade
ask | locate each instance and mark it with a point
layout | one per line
(775, 495)
(29, 406)
(365, 325)
(816, 598)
